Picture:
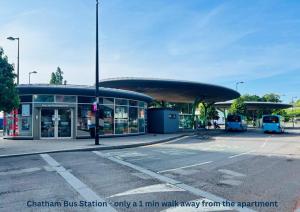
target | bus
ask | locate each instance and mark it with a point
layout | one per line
(235, 123)
(272, 123)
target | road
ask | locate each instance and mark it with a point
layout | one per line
(200, 172)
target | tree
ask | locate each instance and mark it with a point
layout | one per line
(9, 98)
(271, 97)
(212, 113)
(252, 98)
(238, 106)
(297, 103)
(283, 113)
(57, 77)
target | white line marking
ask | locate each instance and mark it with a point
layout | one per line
(231, 182)
(244, 153)
(177, 139)
(265, 142)
(150, 189)
(232, 173)
(183, 167)
(195, 191)
(20, 171)
(79, 186)
(201, 208)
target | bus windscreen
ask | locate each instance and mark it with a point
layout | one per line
(270, 119)
(233, 118)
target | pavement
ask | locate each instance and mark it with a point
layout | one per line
(9, 147)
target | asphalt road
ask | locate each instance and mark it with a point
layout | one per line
(196, 173)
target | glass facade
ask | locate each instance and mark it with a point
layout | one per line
(106, 119)
(185, 115)
(121, 119)
(84, 114)
(117, 116)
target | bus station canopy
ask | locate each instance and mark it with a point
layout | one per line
(173, 90)
(255, 105)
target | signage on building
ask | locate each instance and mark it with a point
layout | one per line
(25, 110)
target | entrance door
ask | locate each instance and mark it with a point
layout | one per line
(47, 123)
(56, 123)
(64, 127)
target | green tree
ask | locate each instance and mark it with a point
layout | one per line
(9, 98)
(271, 97)
(252, 98)
(283, 113)
(238, 106)
(57, 77)
(212, 113)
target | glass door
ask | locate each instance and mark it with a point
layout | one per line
(47, 123)
(64, 127)
(56, 123)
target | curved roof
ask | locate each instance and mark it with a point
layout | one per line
(173, 90)
(256, 105)
(80, 90)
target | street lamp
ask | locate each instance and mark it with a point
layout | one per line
(18, 73)
(32, 72)
(294, 97)
(97, 82)
(236, 85)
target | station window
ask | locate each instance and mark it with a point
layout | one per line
(106, 119)
(71, 99)
(43, 98)
(106, 101)
(86, 99)
(133, 103)
(84, 116)
(121, 102)
(121, 119)
(133, 120)
(26, 98)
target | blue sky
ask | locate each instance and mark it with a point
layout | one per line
(213, 41)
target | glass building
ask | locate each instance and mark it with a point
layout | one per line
(51, 111)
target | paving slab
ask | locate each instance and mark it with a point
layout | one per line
(9, 148)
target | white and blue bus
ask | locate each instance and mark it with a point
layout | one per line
(272, 123)
(235, 123)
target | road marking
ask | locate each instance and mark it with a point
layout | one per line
(79, 186)
(231, 182)
(238, 155)
(177, 139)
(126, 154)
(265, 142)
(193, 190)
(232, 173)
(149, 189)
(199, 209)
(183, 167)
(141, 175)
(20, 171)
(229, 177)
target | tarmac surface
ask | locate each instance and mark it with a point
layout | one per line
(211, 172)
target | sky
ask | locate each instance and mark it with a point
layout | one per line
(210, 41)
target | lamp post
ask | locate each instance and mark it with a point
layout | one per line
(97, 82)
(294, 97)
(32, 72)
(236, 85)
(18, 69)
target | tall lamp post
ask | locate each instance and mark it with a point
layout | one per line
(236, 85)
(18, 70)
(294, 97)
(97, 82)
(32, 72)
